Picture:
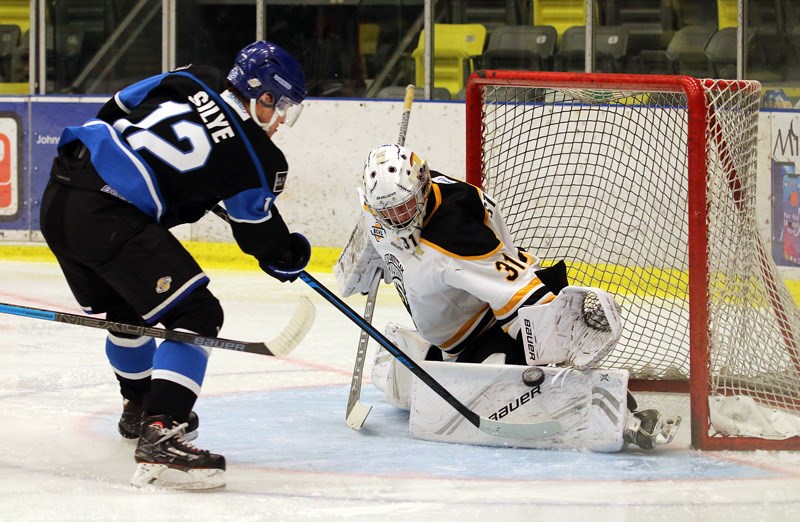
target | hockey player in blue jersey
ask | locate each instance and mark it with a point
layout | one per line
(160, 153)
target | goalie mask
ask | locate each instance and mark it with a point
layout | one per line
(263, 67)
(395, 188)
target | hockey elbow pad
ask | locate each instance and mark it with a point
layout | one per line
(289, 266)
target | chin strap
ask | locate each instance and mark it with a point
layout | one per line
(254, 114)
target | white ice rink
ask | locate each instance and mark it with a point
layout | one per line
(280, 424)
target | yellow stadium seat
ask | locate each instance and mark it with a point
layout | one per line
(17, 12)
(455, 46)
(728, 13)
(368, 36)
(561, 14)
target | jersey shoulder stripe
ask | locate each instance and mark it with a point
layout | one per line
(456, 223)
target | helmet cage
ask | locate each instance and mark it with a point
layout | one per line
(400, 216)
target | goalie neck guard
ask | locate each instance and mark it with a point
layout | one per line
(395, 185)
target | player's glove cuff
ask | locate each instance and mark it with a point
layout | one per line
(288, 268)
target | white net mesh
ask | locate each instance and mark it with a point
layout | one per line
(600, 178)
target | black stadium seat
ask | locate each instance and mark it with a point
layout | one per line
(610, 48)
(721, 53)
(521, 47)
(685, 53)
(9, 40)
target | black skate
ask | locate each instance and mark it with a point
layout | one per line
(647, 429)
(130, 424)
(165, 460)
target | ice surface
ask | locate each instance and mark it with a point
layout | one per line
(281, 425)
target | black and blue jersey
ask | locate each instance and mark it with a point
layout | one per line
(174, 147)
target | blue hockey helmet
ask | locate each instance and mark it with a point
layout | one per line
(265, 67)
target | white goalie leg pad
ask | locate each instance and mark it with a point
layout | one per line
(579, 327)
(391, 376)
(358, 264)
(590, 405)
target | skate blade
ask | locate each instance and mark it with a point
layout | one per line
(669, 427)
(161, 476)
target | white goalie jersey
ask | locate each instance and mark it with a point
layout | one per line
(465, 272)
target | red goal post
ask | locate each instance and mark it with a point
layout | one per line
(646, 186)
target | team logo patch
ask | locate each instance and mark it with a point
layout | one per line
(163, 284)
(280, 182)
(377, 232)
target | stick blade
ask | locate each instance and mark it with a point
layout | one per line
(534, 430)
(357, 415)
(296, 330)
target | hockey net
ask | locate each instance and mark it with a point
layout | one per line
(646, 187)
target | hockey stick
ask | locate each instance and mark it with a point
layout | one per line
(408, 100)
(286, 341)
(486, 425)
(356, 410)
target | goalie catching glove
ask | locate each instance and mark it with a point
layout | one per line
(579, 327)
(292, 262)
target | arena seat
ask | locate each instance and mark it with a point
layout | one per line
(685, 53)
(456, 49)
(561, 14)
(721, 53)
(650, 23)
(9, 40)
(521, 47)
(610, 48)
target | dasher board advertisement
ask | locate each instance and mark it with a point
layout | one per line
(785, 187)
(10, 165)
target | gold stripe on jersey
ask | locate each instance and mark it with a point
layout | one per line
(437, 200)
(522, 296)
(465, 328)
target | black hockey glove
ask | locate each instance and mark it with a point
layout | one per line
(289, 266)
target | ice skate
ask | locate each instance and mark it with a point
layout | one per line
(130, 423)
(165, 460)
(648, 429)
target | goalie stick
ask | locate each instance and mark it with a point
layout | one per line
(501, 429)
(285, 342)
(357, 411)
